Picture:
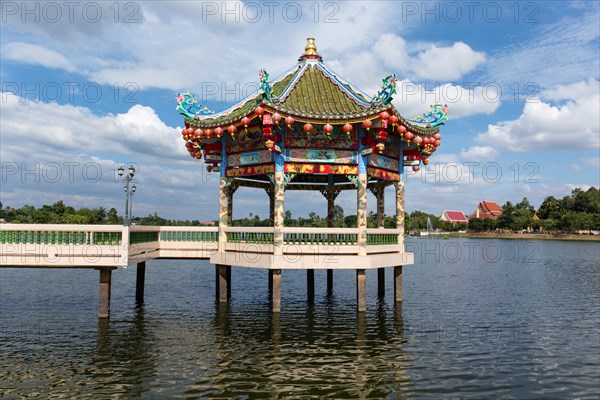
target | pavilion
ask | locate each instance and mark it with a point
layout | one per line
(310, 129)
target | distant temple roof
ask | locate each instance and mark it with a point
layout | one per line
(454, 217)
(487, 209)
(313, 93)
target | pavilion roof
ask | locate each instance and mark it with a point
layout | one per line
(311, 92)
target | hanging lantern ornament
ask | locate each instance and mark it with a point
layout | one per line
(394, 120)
(367, 124)
(437, 136)
(328, 128)
(259, 111)
(384, 115)
(425, 161)
(232, 130)
(289, 121)
(218, 131)
(425, 141)
(401, 129)
(437, 143)
(276, 118)
(208, 133)
(347, 128)
(246, 122)
(416, 168)
(307, 128)
(408, 136)
(198, 133)
(417, 140)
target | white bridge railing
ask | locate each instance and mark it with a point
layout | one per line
(101, 246)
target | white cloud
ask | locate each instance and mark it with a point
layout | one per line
(479, 153)
(414, 99)
(447, 63)
(573, 125)
(33, 54)
(434, 63)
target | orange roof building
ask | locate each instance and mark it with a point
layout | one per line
(487, 209)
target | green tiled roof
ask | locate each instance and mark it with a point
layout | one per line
(313, 97)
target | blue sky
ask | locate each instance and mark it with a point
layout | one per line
(89, 85)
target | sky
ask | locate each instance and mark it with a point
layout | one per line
(88, 86)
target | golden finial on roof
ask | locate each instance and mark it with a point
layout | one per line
(310, 51)
(311, 48)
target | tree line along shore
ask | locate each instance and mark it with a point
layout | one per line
(574, 214)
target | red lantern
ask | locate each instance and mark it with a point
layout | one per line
(232, 129)
(425, 161)
(267, 131)
(307, 127)
(394, 120)
(401, 129)
(328, 129)
(384, 115)
(367, 124)
(259, 111)
(417, 140)
(218, 131)
(289, 121)
(408, 136)
(416, 168)
(437, 143)
(437, 136)
(276, 118)
(184, 132)
(246, 121)
(425, 141)
(347, 128)
(208, 133)
(198, 133)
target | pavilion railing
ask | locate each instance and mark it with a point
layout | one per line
(256, 235)
(381, 236)
(320, 236)
(62, 245)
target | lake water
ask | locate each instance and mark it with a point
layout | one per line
(480, 319)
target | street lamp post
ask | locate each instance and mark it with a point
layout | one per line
(128, 193)
(133, 188)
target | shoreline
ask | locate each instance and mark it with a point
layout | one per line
(529, 236)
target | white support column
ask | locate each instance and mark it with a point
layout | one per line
(361, 213)
(279, 195)
(223, 212)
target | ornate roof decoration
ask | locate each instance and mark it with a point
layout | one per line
(436, 116)
(265, 87)
(189, 107)
(388, 89)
